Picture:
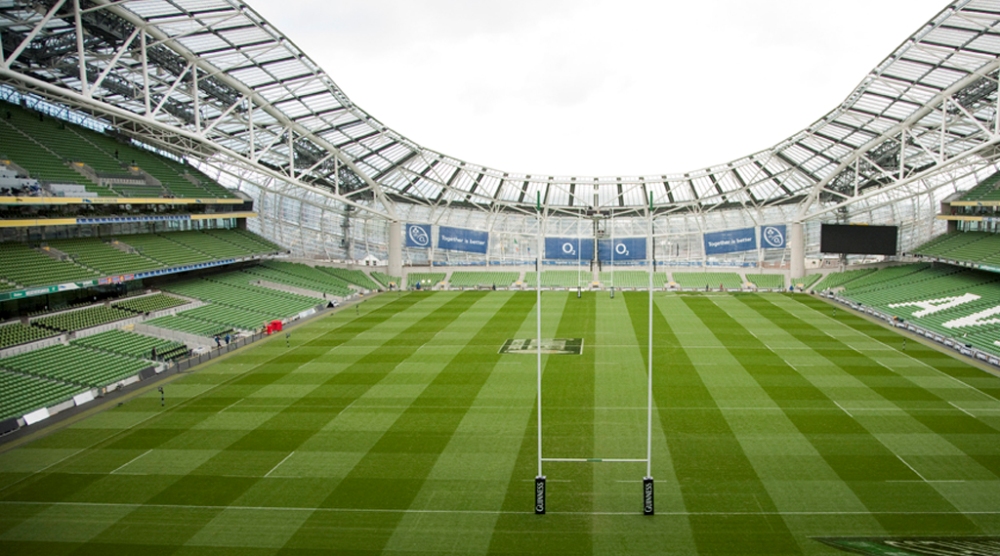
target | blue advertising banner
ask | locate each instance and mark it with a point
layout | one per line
(622, 249)
(418, 235)
(569, 248)
(772, 237)
(730, 241)
(460, 239)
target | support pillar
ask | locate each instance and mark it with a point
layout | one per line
(395, 249)
(797, 244)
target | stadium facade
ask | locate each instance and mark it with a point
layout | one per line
(215, 83)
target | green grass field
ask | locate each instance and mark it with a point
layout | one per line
(404, 430)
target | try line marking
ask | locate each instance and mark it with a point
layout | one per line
(466, 512)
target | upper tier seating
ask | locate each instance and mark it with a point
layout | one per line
(25, 266)
(987, 190)
(104, 258)
(45, 146)
(978, 247)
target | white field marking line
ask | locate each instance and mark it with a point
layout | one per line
(596, 460)
(859, 333)
(469, 512)
(231, 405)
(131, 461)
(842, 408)
(913, 481)
(81, 450)
(548, 480)
(922, 478)
(279, 464)
(962, 410)
(156, 414)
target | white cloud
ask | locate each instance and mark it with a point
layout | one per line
(597, 87)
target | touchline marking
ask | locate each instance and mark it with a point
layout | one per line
(922, 478)
(468, 512)
(844, 410)
(131, 461)
(962, 410)
(279, 464)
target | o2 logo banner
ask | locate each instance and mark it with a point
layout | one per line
(418, 235)
(772, 237)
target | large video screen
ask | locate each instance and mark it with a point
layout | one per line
(858, 240)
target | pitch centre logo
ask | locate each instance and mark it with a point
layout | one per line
(418, 235)
(773, 236)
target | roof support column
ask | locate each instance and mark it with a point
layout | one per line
(797, 246)
(395, 248)
(80, 55)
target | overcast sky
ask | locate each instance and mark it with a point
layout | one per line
(597, 87)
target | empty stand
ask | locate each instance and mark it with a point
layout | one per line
(469, 279)
(17, 333)
(767, 281)
(632, 279)
(712, 280)
(75, 365)
(133, 345)
(103, 257)
(425, 279)
(24, 266)
(78, 320)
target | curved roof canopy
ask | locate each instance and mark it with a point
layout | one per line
(213, 78)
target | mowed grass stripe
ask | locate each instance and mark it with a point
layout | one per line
(567, 431)
(968, 387)
(708, 460)
(192, 489)
(881, 479)
(923, 355)
(395, 470)
(89, 466)
(365, 373)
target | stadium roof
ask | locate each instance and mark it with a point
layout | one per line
(212, 78)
